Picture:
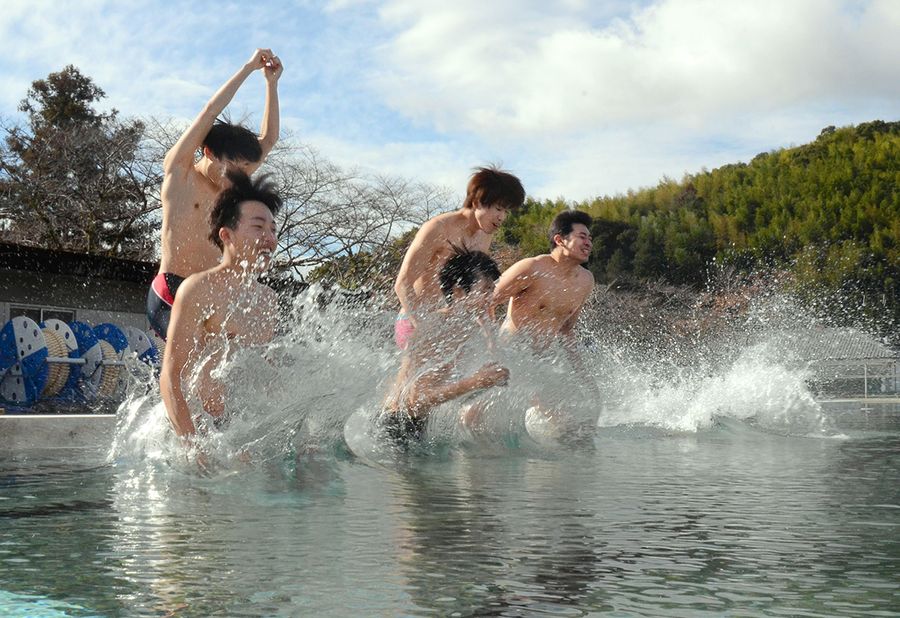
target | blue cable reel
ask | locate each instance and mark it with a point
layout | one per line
(61, 338)
(23, 351)
(9, 355)
(88, 349)
(67, 362)
(142, 345)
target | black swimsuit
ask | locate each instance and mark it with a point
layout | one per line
(402, 429)
(160, 299)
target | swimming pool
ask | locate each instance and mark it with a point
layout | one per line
(732, 519)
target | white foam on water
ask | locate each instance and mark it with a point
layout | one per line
(753, 387)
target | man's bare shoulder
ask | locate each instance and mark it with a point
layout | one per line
(585, 275)
(429, 229)
(177, 166)
(585, 280)
(444, 222)
(434, 232)
(524, 267)
(180, 182)
(544, 262)
(196, 287)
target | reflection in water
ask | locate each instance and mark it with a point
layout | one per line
(731, 520)
(449, 520)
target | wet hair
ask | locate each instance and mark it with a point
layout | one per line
(227, 211)
(491, 186)
(565, 221)
(464, 269)
(233, 141)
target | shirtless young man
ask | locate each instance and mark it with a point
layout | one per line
(225, 305)
(490, 195)
(190, 187)
(426, 378)
(546, 295)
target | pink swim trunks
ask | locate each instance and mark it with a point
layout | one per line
(403, 330)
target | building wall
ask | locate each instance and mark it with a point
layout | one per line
(94, 300)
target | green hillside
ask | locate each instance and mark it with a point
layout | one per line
(827, 213)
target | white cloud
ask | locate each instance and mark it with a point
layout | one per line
(580, 97)
(440, 163)
(490, 69)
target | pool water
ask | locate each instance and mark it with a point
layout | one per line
(730, 520)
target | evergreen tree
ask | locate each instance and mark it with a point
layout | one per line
(77, 179)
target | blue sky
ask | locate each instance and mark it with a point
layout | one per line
(580, 98)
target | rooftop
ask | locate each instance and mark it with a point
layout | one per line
(33, 259)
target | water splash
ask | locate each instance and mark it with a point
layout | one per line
(334, 361)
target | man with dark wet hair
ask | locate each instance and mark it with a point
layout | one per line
(546, 293)
(224, 306)
(545, 296)
(190, 186)
(490, 195)
(426, 378)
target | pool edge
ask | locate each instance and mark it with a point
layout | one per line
(28, 431)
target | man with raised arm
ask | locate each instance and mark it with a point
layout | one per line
(190, 186)
(490, 195)
(224, 306)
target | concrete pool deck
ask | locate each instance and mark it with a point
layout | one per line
(30, 431)
(39, 431)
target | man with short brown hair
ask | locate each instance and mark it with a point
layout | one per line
(490, 195)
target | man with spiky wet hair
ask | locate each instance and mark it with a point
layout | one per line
(190, 185)
(427, 373)
(223, 306)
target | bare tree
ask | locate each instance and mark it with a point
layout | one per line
(332, 214)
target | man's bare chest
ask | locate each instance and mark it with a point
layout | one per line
(560, 298)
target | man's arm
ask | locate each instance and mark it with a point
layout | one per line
(268, 135)
(185, 329)
(513, 282)
(567, 330)
(570, 343)
(425, 397)
(182, 153)
(415, 264)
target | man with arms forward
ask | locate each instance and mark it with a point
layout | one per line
(429, 375)
(190, 187)
(224, 306)
(546, 295)
(490, 195)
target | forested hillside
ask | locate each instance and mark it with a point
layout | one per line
(825, 213)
